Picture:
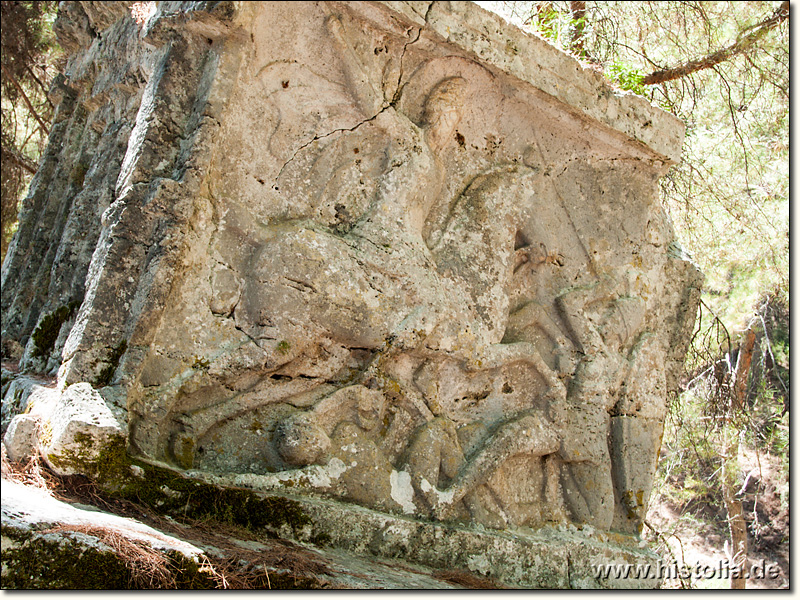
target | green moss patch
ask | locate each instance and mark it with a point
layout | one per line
(169, 492)
(46, 332)
(38, 563)
(112, 362)
(78, 174)
(35, 562)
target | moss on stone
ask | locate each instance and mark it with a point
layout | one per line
(188, 574)
(104, 378)
(38, 563)
(46, 332)
(187, 452)
(78, 174)
(170, 492)
(33, 562)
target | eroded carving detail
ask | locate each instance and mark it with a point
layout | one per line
(426, 289)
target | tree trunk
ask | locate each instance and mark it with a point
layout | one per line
(578, 10)
(730, 465)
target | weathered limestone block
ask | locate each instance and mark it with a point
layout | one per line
(399, 254)
(79, 425)
(25, 395)
(21, 439)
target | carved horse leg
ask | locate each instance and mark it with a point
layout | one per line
(529, 434)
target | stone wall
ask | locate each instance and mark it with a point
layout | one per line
(399, 254)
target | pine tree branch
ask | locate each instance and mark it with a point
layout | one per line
(24, 96)
(41, 85)
(17, 159)
(713, 59)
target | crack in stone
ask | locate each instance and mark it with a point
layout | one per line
(569, 570)
(317, 138)
(253, 340)
(391, 104)
(428, 11)
(398, 91)
(399, 87)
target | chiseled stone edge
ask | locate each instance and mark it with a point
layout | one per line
(550, 558)
(554, 72)
(557, 557)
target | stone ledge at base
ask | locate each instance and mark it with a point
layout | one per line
(559, 557)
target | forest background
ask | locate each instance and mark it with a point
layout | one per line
(723, 69)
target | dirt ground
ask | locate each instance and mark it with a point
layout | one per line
(697, 534)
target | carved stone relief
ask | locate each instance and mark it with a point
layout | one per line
(399, 269)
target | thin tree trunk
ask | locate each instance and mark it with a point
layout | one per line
(578, 10)
(719, 56)
(730, 465)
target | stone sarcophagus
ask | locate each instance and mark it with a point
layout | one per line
(396, 254)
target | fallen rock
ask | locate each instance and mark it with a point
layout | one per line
(21, 439)
(79, 426)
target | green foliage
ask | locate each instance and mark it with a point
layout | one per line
(706, 421)
(550, 23)
(28, 57)
(626, 77)
(689, 457)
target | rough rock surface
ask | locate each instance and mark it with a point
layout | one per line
(418, 265)
(30, 510)
(77, 546)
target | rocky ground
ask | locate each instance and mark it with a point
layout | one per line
(58, 531)
(140, 548)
